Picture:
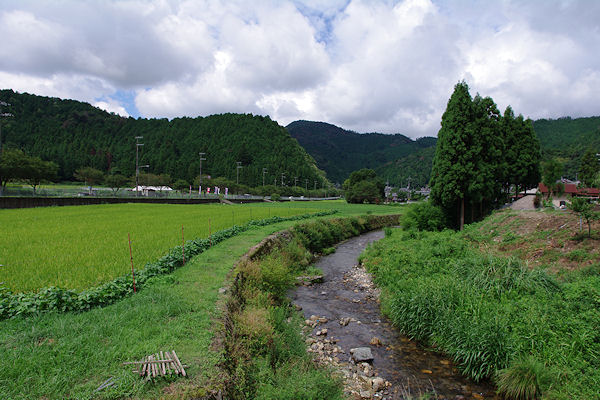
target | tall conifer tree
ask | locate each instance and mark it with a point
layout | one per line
(454, 163)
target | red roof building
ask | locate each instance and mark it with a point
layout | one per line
(572, 189)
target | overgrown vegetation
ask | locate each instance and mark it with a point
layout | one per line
(265, 354)
(537, 336)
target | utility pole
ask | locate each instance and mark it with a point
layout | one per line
(2, 104)
(282, 175)
(315, 188)
(306, 185)
(237, 170)
(200, 181)
(264, 172)
(295, 181)
(137, 165)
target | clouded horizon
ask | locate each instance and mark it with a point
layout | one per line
(385, 66)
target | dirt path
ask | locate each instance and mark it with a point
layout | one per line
(342, 313)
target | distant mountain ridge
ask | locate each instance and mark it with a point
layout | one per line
(339, 152)
(398, 159)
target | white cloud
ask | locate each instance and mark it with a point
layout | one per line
(386, 66)
(112, 107)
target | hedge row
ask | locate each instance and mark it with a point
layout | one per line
(55, 299)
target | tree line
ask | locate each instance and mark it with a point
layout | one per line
(481, 155)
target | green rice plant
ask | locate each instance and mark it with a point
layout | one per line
(525, 379)
(83, 246)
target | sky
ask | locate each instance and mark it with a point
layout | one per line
(364, 65)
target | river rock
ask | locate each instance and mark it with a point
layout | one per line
(378, 384)
(375, 341)
(360, 354)
(344, 321)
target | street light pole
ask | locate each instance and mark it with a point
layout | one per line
(137, 165)
(264, 172)
(237, 170)
(295, 181)
(282, 175)
(200, 181)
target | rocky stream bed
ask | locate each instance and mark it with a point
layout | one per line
(347, 333)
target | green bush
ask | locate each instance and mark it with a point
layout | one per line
(424, 217)
(275, 196)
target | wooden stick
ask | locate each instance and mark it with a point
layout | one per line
(158, 361)
(164, 370)
(182, 245)
(174, 364)
(131, 256)
(179, 363)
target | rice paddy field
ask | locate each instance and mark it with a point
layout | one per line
(83, 246)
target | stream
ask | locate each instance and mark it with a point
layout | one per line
(343, 313)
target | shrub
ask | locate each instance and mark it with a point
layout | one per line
(275, 196)
(425, 217)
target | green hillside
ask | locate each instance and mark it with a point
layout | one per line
(415, 166)
(75, 134)
(339, 152)
(567, 139)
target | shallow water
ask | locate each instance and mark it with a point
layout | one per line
(404, 363)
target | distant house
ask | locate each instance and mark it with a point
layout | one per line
(573, 190)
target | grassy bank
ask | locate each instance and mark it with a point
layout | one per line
(534, 334)
(265, 354)
(57, 356)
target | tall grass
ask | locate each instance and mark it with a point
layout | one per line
(493, 315)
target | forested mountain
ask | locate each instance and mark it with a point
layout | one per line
(397, 158)
(415, 167)
(567, 139)
(339, 152)
(75, 134)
